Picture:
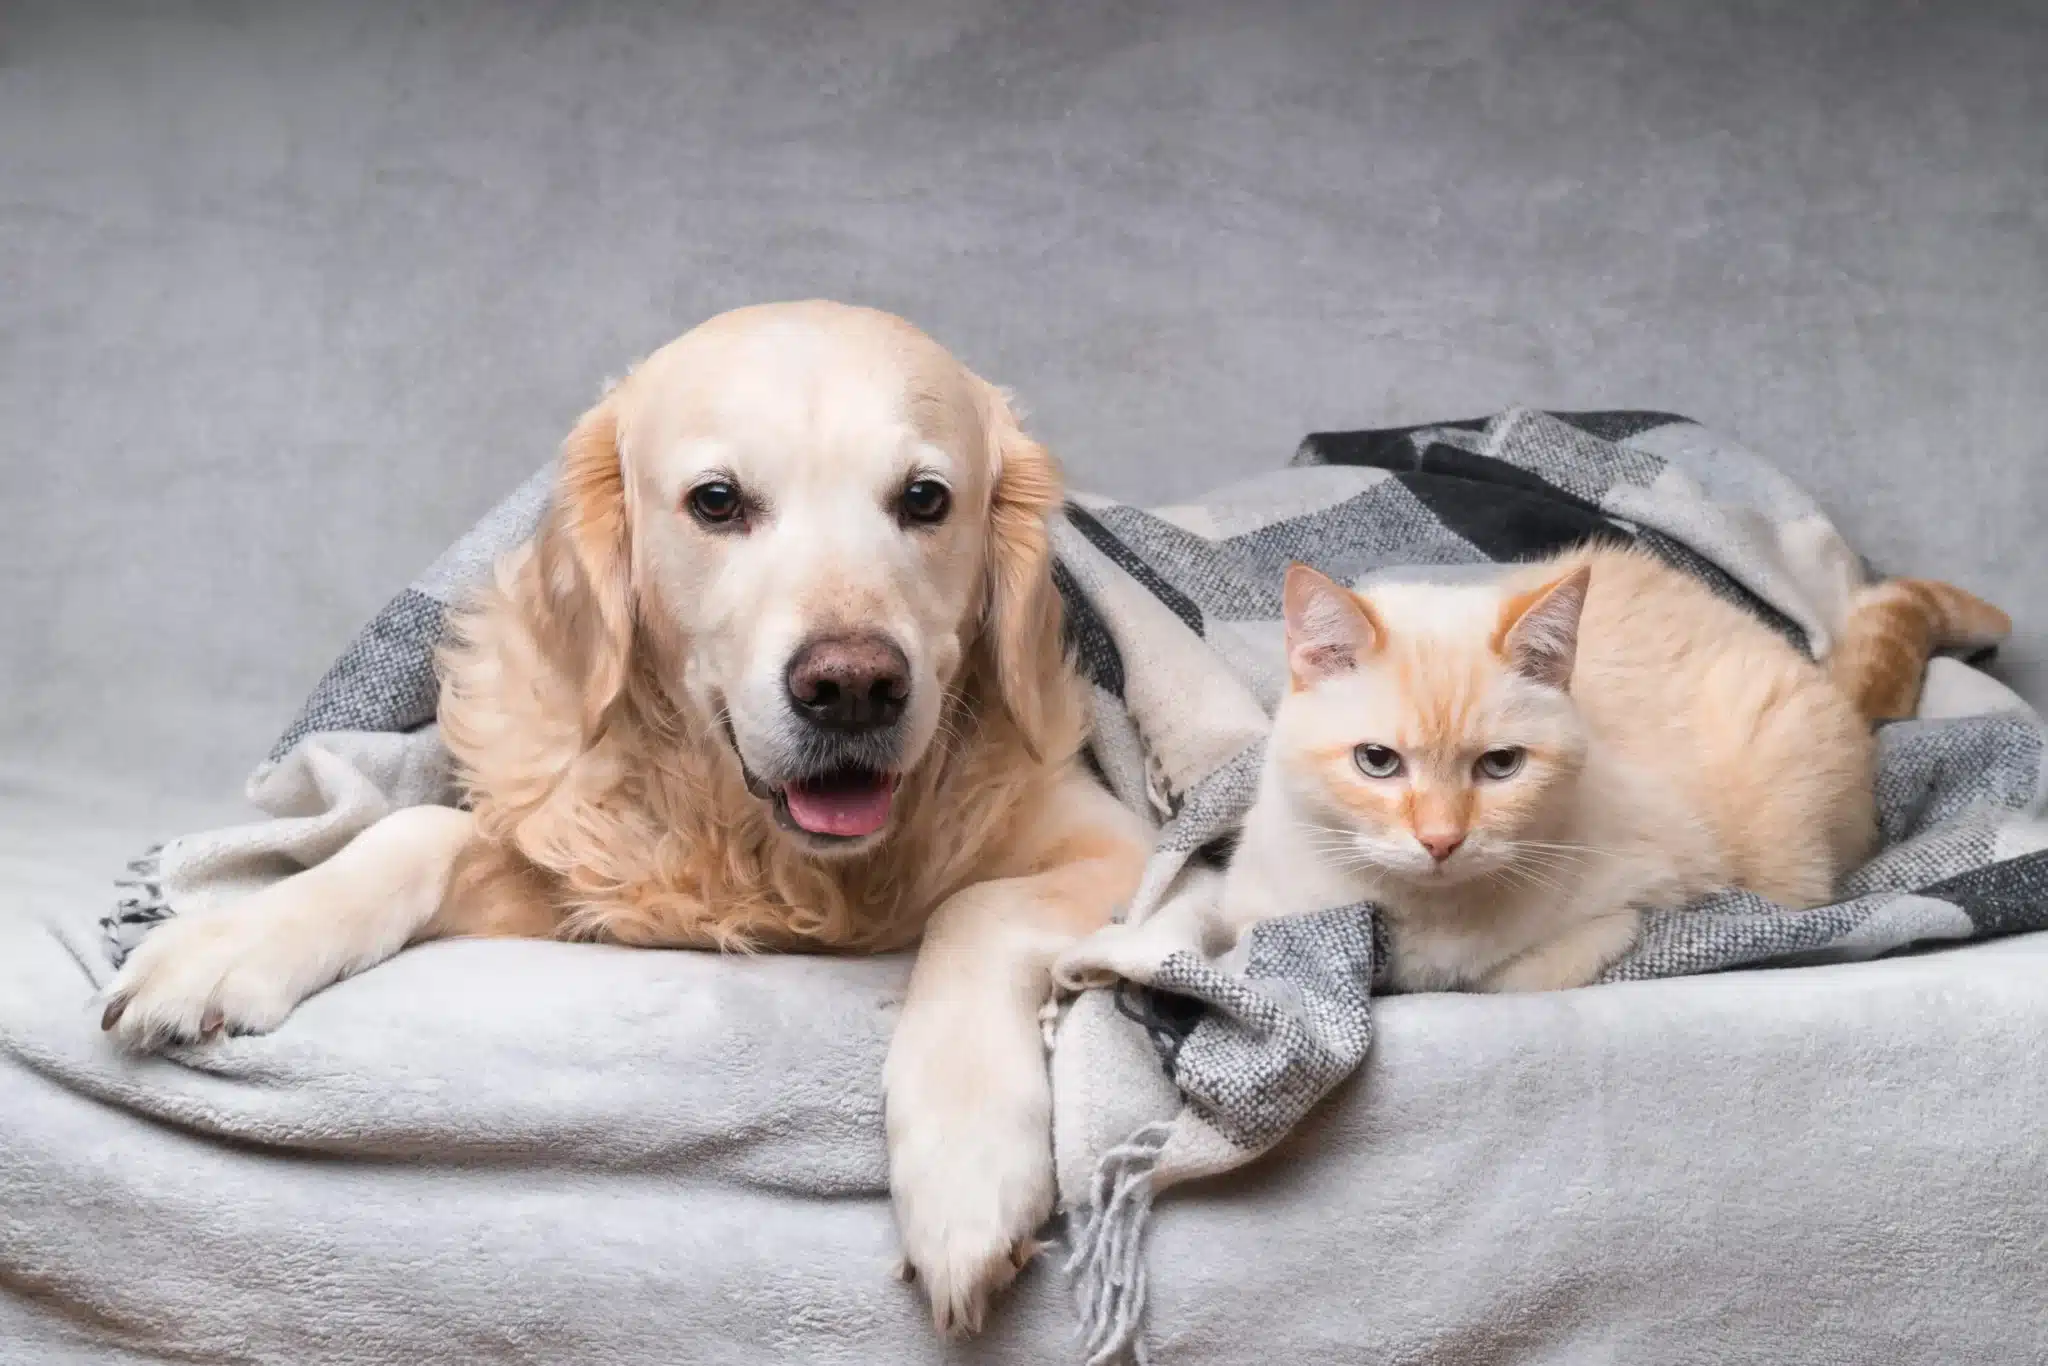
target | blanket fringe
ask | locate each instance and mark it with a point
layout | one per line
(1107, 1264)
(142, 904)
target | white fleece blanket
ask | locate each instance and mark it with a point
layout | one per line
(548, 1152)
(522, 1152)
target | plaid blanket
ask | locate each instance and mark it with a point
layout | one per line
(1174, 614)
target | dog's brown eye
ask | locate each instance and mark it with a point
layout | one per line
(926, 501)
(716, 503)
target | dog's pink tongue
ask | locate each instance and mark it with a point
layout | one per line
(848, 810)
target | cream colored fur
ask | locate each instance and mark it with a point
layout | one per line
(600, 698)
(1670, 745)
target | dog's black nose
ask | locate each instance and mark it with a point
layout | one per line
(849, 683)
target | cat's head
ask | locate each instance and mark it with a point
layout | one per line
(1430, 728)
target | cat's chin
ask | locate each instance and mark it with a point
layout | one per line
(1437, 878)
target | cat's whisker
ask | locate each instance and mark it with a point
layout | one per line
(1562, 848)
(1337, 851)
(1553, 862)
(1521, 875)
(1338, 847)
(1542, 859)
(1557, 880)
(1558, 858)
(1356, 865)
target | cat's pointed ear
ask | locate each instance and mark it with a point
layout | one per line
(1329, 628)
(1539, 629)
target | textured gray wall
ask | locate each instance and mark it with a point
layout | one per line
(289, 293)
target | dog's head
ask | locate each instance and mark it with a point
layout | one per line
(813, 522)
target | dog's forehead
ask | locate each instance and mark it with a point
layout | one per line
(790, 387)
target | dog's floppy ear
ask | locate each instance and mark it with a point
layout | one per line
(1022, 630)
(585, 559)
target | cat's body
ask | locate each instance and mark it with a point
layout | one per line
(1511, 771)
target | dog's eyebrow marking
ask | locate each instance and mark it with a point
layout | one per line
(682, 465)
(704, 452)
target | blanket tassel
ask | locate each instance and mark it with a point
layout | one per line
(142, 906)
(1107, 1263)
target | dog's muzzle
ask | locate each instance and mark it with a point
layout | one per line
(849, 694)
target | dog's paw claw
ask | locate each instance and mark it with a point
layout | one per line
(198, 980)
(962, 1312)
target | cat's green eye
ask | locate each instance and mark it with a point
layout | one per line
(1500, 763)
(1376, 761)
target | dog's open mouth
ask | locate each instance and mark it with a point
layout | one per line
(845, 803)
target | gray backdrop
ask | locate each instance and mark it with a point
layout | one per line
(289, 293)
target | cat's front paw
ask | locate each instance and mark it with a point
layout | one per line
(1575, 958)
(1118, 952)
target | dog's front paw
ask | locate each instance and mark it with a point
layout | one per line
(968, 1204)
(970, 1159)
(193, 978)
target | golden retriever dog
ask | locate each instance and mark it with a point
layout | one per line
(783, 669)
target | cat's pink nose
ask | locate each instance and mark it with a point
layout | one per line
(1440, 847)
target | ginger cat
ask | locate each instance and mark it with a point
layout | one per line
(1512, 771)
